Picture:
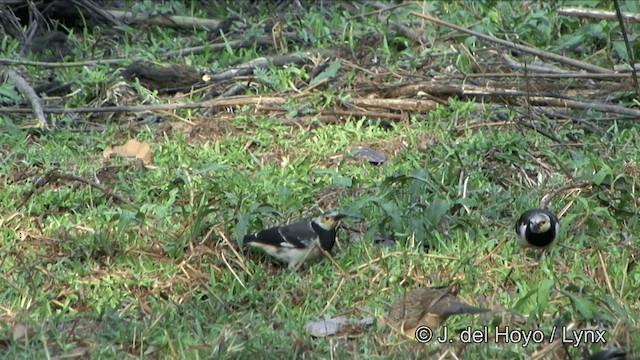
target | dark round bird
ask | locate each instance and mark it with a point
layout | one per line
(298, 242)
(537, 228)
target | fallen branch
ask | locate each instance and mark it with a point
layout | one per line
(174, 21)
(225, 102)
(584, 106)
(568, 75)
(597, 14)
(45, 64)
(535, 68)
(27, 91)
(395, 104)
(54, 175)
(527, 49)
(626, 68)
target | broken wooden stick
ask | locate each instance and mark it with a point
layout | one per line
(27, 91)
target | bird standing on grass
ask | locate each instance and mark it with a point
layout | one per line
(537, 228)
(427, 306)
(298, 242)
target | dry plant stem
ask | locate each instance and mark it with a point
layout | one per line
(233, 249)
(597, 14)
(606, 276)
(509, 44)
(493, 251)
(328, 255)
(27, 91)
(335, 294)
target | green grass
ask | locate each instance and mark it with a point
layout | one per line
(167, 279)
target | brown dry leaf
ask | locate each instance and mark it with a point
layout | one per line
(132, 148)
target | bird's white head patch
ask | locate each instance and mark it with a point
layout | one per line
(540, 223)
(329, 220)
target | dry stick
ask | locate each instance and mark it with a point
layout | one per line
(335, 294)
(535, 68)
(584, 106)
(27, 91)
(606, 274)
(230, 101)
(541, 131)
(68, 64)
(52, 176)
(164, 20)
(235, 252)
(394, 104)
(626, 43)
(597, 14)
(526, 49)
(569, 75)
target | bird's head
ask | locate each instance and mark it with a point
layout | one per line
(329, 220)
(540, 223)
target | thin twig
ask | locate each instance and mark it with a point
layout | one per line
(53, 176)
(548, 197)
(509, 44)
(27, 91)
(627, 44)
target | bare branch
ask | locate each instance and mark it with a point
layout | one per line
(27, 91)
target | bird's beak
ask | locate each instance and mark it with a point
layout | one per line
(340, 216)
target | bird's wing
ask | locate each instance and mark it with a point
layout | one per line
(297, 235)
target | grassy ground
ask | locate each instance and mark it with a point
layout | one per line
(81, 275)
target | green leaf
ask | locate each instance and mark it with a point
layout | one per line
(328, 73)
(436, 210)
(602, 174)
(241, 228)
(523, 300)
(583, 306)
(544, 290)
